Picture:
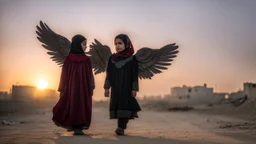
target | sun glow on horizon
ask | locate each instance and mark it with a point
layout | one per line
(42, 84)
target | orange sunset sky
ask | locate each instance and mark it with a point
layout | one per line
(217, 39)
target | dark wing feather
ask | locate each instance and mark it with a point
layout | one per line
(153, 61)
(57, 45)
(99, 55)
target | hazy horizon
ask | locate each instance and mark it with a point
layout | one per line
(217, 39)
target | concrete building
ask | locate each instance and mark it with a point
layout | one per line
(250, 90)
(28, 93)
(218, 98)
(236, 95)
(196, 93)
(23, 93)
(3, 95)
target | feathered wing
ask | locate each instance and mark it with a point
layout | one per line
(153, 61)
(99, 55)
(58, 46)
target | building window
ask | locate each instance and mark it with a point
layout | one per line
(254, 85)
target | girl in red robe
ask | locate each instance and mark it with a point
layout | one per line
(74, 108)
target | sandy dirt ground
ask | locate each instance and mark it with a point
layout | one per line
(152, 127)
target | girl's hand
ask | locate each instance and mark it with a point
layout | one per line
(134, 93)
(106, 93)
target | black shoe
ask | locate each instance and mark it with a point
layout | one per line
(119, 131)
(69, 129)
(78, 132)
(85, 127)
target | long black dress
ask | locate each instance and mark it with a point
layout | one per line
(122, 77)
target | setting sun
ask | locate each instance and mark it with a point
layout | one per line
(42, 84)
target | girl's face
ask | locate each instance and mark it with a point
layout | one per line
(84, 45)
(119, 44)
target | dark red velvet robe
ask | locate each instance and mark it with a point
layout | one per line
(75, 104)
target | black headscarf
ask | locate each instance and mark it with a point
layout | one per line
(76, 47)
